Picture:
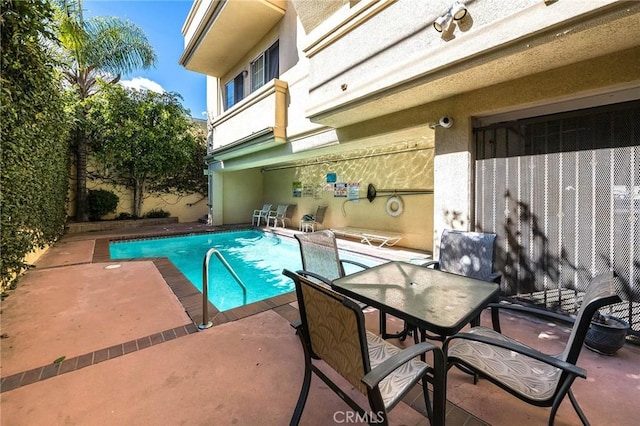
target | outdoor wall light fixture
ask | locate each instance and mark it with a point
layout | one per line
(457, 11)
(442, 22)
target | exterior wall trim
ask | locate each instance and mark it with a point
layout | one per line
(435, 74)
(257, 141)
(334, 33)
(200, 31)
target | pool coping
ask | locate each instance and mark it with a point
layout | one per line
(186, 293)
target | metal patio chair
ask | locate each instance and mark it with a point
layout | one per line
(320, 256)
(530, 375)
(311, 222)
(471, 254)
(261, 214)
(321, 261)
(331, 329)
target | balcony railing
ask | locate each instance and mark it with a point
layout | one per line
(256, 123)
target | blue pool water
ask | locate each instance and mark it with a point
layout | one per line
(257, 258)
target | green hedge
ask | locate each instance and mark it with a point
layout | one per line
(157, 213)
(101, 202)
(34, 134)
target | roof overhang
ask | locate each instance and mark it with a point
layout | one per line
(227, 31)
(435, 75)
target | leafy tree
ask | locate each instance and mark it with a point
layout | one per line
(189, 180)
(34, 132)
(100, 48)
(143, 137)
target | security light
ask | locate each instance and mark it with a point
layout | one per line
(443, 22)
(458, 10)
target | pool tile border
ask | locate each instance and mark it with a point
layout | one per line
(69, 365)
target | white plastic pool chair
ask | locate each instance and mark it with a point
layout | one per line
(260, 215)
(280, 215)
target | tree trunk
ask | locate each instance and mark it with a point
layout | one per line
(81, 177)
(138, 192)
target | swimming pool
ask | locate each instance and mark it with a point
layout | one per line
(256, 257)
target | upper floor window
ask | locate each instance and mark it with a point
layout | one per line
(266, 67)
(234, 91)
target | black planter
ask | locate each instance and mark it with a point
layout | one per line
(606, 338)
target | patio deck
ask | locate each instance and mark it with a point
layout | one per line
(133, 354)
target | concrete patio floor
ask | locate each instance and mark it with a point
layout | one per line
(87, 344)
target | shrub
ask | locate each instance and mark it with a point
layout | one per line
(125, 216)
(101, 202)
(157, 213)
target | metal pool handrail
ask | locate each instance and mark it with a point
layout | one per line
(205, 285)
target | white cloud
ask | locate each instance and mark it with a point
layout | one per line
(141, 83)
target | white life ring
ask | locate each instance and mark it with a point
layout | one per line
(395, 206)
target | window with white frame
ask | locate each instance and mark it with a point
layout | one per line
(265, 67)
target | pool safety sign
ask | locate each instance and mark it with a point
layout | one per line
(340, 190)
(350, 190)
(297, 189)
(353, 191)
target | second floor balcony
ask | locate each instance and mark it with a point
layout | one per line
(256, 123)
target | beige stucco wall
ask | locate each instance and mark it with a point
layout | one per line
(393, 76)
(288, 50)
(450, 164)
(412, 169)
(313, 13)
(188, 208)
(294, 71)
(389, 58)
(453, 166)
(236, 195)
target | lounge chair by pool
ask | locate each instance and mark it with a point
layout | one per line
(373, 237)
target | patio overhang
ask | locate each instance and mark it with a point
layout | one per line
(219, 33)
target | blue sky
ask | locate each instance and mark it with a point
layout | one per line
(162, 21)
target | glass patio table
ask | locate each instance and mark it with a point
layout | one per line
(432, 300)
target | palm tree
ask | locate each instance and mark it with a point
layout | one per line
(98, 48)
